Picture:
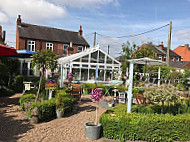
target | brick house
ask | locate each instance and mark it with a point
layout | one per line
(2, 35)
(183, 51)
(31, 38)
(37, 38)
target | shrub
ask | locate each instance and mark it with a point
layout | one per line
(4, 91)
(47, 108)
(25, 98)
(18, 84)
(59, 102)
(147, 127)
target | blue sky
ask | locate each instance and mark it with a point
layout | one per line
(107, 17)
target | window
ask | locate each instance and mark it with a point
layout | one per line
(31, 45)
(173, 59)
(160, 57)
(164, 58)
(65, 48)
(177, 59)
(79, 49)
(49, 46)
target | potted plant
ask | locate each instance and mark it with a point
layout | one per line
(93, 129)
(59, 106)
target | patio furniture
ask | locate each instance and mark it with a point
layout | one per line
(76, 92)
(140, 99)
(122, 97)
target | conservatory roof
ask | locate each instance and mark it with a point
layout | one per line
(70, 58)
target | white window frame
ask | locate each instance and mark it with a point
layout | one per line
(49, 46)
(164, 57)
(177, 59)
(81, 49)
(181, 59)
(64, 45)
(173, 59)
(160, 57)
(31, 45)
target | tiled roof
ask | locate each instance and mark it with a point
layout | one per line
(184, 52)
(50, 34)
(172, 53)
(180, 65)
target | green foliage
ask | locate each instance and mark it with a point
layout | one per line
(122, 88)
(5, 91)
(147, 127)
(60, 102)
(181, 86)
(138, 90)
(146, 50)
(18, 84)
(26, 98)
(46, 109)
(162, 93)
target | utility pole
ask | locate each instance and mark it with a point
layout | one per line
(169, 44)
(108, 49)
(94, 40)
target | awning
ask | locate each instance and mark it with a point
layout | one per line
(6, 50)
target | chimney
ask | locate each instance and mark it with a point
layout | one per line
(186, 46)
(80, 31)
(19, 20)
(3, 37)
(161, 45)
(108, 49)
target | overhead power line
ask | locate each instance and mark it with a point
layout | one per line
(136, 34)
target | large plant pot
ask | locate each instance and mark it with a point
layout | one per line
(59, 113)
(92, 130)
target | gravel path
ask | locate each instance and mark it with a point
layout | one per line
(15, 127)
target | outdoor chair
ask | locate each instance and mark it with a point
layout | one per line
(140, 99)
(76, 92)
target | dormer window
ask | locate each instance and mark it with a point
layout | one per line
(79, 49)
(31, 45)
(49, 46)
(177, 59)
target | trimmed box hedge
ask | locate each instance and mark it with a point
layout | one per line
(47, 108)
(117, 124)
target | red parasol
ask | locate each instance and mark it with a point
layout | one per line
(5, 50)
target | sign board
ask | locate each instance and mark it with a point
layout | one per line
(27, 86)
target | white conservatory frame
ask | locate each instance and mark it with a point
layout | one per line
(86, 62)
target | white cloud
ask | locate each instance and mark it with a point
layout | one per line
(33, 10)
(86, 3)
(3, 18)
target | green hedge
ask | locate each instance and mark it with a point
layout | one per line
(147, 127)
(47, 108)
(18, 84)
(24, 98)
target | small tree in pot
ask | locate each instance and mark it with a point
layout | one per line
(59, 105)
(93, 129)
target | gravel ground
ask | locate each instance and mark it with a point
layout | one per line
(15, 127)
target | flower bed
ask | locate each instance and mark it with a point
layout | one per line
(117, 124)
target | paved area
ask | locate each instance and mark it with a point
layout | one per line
(15, 127)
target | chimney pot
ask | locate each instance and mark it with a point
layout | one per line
(19, 20)
(161, 45)
(186, 45)
(80, 30)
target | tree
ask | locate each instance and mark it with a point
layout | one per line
(146, 50)
(43, 60)
(127, 51)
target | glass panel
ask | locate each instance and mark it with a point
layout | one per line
(84, 74)
(94, 57)
(75, 73)
(101, 57)
(92, 74)
(109, 60)
(85, 59)
(101, 75)
(85, 66)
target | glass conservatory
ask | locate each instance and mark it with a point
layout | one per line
(84, 65)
